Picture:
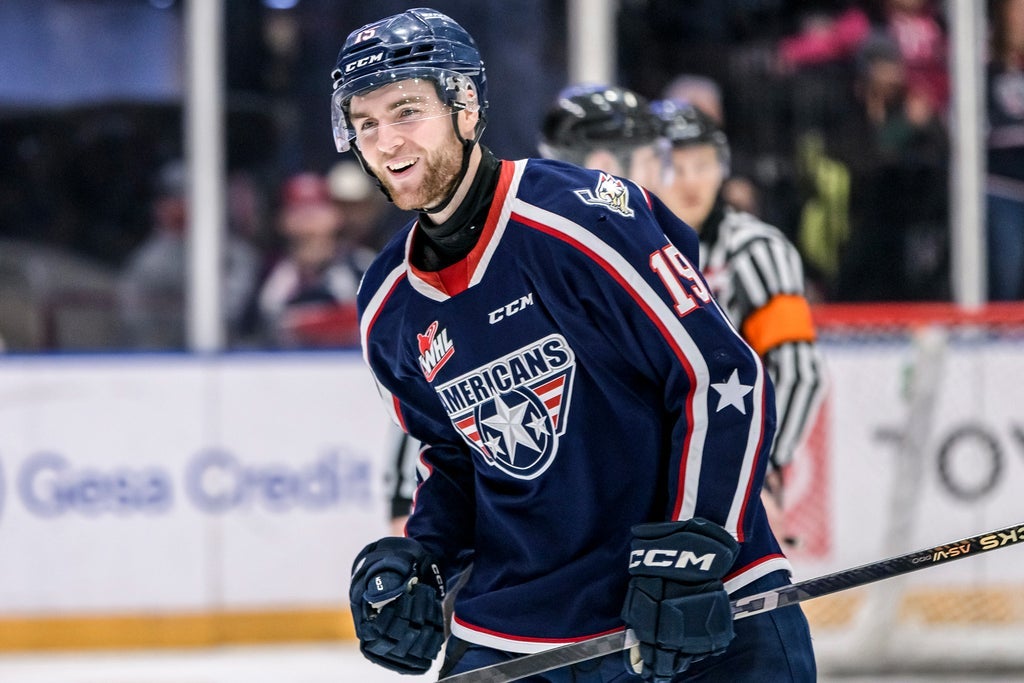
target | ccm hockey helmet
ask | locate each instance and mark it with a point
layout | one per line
(595, 116)
(418, 43)
(684, 125)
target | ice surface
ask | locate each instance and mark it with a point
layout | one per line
(331, 663)
(259, 664)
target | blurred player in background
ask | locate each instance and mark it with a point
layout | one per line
(755, 273)
(705, 94)
(401, 479)
(751, 267)
(604, 127)
(586, 408)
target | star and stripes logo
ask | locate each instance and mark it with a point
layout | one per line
(512, 411)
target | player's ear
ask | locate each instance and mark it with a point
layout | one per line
(467, 123)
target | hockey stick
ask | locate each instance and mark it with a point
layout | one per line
(529, 665)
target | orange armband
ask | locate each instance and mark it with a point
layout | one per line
(786, 318)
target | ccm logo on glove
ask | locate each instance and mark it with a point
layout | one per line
(658, 557)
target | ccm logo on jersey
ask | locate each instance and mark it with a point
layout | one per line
(656, 557)
(435, 350)
(510, 308)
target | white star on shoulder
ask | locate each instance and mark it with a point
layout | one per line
(731, 393)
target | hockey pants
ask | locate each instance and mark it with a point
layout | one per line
(773, 647)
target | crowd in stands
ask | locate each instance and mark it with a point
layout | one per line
(837, 112)
(838, 116)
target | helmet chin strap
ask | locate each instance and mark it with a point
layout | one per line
(467, 151)
(367, 171)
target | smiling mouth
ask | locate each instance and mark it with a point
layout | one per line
(401, 167)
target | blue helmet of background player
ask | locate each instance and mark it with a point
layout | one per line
(588, 117)
(684, 125)
(418, 43)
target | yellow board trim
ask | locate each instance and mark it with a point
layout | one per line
(174, 630)
(992, 606)
(1002, 605)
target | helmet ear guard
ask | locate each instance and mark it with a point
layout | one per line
(458, 92)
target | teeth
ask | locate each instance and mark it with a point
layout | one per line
(400, 167)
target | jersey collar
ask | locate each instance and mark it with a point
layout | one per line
(463, 274)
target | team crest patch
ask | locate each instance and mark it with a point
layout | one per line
(512, 411)
(610, 192)
(435, 350)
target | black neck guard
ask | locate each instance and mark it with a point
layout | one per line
(447, 243)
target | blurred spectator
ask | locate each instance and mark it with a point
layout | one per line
(823, 224)
(897, 151)
(151, 287)
(917, 28)
(837, 32)
(369, 218)
(307, 300)
(700, 91)
(828, 32)
(731, 44)
(1005, 186)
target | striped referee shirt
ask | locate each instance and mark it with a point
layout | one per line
(757, 276)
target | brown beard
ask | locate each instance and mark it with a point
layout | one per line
(441, 179)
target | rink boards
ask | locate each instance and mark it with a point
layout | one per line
(179, 500)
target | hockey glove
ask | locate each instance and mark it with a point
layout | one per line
(395, 596)
(676, 603)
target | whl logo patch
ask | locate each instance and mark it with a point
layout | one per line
(512, 411)
(435, 350)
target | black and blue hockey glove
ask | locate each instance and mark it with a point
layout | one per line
(395, 596)
(676, 603)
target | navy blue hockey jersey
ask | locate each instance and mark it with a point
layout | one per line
(573, 377)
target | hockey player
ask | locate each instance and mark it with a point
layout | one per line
(754, 268)
(754, 271)
(595, 432)
(605, 127)
(592, 125)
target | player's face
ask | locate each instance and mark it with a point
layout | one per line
(405, 135)
(645, 166)
(693, 182)
(603, 160)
